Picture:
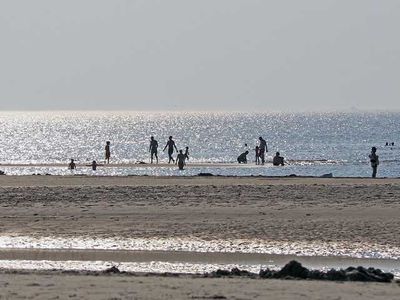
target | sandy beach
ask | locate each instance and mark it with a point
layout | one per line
(329, 216)
(53, 285)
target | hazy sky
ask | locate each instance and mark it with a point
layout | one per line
(200, 54)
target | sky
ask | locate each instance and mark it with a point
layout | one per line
(241, 55)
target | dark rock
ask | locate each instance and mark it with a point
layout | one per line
(220, 272)
(336, 275)
(113, 270)
(205, 174)
(356, 275)
(316, 275)
(267, 273)
(238, 272)
(293, 269)
(329, 175)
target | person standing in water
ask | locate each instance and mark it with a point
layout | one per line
(94, 165)
(153, 149)
(72, 165)
(180, 159)
(171, 145)
(108, 152)
(374, 160)
(187, 153)
(263, 148)
(257, 152)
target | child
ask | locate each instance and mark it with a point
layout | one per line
(187, 153)
(257, 150)
(72, 165)
(94, 165)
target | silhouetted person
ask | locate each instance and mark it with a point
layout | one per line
(153, 149)
(263, 149)
(94, 165)
(180, 159)
(278, 160)
(171, 146)
(108, 151)
(72, 165)
(242, 158)
(187, 153)
(374, 159)
(257, 153)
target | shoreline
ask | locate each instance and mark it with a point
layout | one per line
(147, 180)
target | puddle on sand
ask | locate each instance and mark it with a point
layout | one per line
(342, 249)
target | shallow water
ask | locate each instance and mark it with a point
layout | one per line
(340, 249)
(314, 144)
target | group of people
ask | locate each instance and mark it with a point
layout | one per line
(260, 151)
(181, 158)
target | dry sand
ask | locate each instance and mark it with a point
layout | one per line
(310, 210)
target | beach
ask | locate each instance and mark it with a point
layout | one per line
(214, 221)
(50, 285)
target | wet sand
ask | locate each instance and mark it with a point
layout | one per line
(53, 285)
(213, 208)
(308, 211)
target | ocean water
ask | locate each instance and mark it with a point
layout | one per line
(312, 143)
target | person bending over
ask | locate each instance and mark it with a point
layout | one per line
(242, 158)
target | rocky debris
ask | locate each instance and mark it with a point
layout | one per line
(329, 175)
(295, 270)
(205, 174)
(233, 272)
(2, 173)
(112, 270)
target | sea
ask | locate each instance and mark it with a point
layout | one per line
(313, 144)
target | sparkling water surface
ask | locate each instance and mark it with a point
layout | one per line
(313, 143)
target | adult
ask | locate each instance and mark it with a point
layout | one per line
(242, 158)
(153, 149)
(180, 159)
(171, 146)
(108, 151)
(263, 148)
(278, 160)
(374, 160)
